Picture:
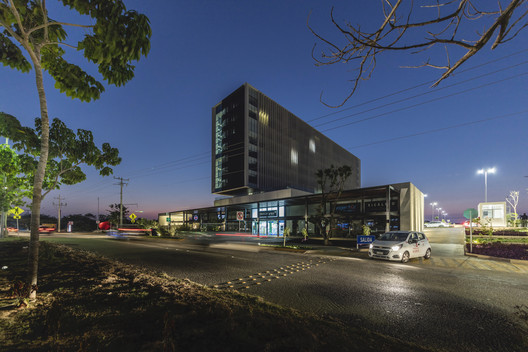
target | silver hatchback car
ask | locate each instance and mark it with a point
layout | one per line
(400, 246)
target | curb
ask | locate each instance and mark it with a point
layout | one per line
(498, 259)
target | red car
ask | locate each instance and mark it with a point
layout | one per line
(47, 228)
(466, 224)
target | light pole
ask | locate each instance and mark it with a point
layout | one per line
(439, 212)
(485, 172)
(432, 210)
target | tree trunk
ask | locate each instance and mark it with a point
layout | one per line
(33, 255)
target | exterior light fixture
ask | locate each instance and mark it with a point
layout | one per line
(432, 210)
(485, 172)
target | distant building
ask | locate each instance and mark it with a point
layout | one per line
(259, 146)
(493, 214)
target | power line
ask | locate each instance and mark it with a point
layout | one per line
(425, 102)
(418, 95)
(416, 86)
(440, 129)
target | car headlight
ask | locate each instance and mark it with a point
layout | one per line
(396, 248)
(371, 246)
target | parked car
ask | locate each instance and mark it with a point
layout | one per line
(466, 224)
(436, 224)
(400, 246)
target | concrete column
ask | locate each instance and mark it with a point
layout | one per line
(387, 209)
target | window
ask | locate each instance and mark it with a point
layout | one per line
(294, 157)
(493, 211)
(311, 145)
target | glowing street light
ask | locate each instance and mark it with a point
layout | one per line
(485, 172)
(432, 210)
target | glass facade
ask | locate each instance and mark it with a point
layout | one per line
(270, 218)
(259, 146)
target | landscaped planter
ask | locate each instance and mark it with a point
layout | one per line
(501, 250)
(506, 232)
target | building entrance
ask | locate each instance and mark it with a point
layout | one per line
(268, 228)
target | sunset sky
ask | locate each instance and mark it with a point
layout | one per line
(436, 138)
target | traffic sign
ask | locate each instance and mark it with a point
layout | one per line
(16, 211)
(240, 215)
(470, 213)
(133, 216)
(17, 217)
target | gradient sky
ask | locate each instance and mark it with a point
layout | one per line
(203, 50)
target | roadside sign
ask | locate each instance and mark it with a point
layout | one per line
(133, 217)
(470, 213)
(168, 219)
(240, 215)
(16, 211)
(17, 217)
(365, 239)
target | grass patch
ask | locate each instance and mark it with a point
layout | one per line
(89, 303)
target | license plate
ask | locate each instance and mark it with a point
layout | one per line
(379, 252)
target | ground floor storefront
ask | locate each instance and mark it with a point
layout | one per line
(382, 208)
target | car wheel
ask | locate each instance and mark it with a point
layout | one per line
(427, 253)
(405, 257)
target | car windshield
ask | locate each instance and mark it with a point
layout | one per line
(394, 236)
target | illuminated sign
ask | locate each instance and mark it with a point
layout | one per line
(267, 213)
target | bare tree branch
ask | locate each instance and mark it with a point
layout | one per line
(400, 26)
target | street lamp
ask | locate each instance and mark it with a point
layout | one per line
(485, 172)
(439, 212)
(432, 210)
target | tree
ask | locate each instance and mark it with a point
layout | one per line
(33, 40)
(114, 213)
(81, 222)
(13, 185)
(410, 27)
(67, 152)
(331, 181)
(513, 200)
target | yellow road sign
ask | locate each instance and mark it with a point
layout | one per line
(16, 211)
(17, 217)
(132, 216)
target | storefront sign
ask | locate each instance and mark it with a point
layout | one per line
(268, 214)
(347, 208)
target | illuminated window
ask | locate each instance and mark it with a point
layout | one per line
(294, 157)
(311, 145)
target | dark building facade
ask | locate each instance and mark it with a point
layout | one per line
(259, 146)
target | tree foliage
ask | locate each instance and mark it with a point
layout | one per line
(68, 151)
(462, 27)
(331, 182)
(116, 38)
(14, 186)
(32, 39)
(114, 214)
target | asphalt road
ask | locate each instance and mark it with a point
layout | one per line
(452, 309)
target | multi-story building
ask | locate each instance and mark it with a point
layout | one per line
(259, 146)
(264, 161)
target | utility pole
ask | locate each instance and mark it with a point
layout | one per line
(121, 183)
(97, 220)
(59, 205)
